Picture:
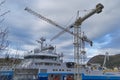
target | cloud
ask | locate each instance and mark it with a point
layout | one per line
(102, 29)
(113, 42)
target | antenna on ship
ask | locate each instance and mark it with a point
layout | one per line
(76, 25)
(41, 41)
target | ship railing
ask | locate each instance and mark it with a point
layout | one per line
(46, 60)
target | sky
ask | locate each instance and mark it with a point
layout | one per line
(24, 29)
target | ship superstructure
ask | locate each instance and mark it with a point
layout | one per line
(40, 62)
(45, 63)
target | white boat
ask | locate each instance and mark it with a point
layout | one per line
(45, 64)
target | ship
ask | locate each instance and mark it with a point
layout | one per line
(44, 63)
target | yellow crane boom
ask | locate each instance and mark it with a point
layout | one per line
(79, 21)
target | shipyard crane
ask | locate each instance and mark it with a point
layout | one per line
(77, 43)
(82, 48)
(56, 25)
(49, 21)
(76, 34)
(79, 21)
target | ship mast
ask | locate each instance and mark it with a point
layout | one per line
(41, 41)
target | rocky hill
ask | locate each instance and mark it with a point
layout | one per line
(114, 60)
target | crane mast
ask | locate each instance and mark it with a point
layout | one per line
(82, 49)
(76, 34)
(77, 43)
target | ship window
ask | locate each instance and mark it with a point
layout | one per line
(58, 64)
(40, 57)
(47, 63)
(43, 70)
(68, 70)
(56, 69)
(59, 69)
(54, 58)
(70, 64)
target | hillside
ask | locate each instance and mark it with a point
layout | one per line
(114, 60)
